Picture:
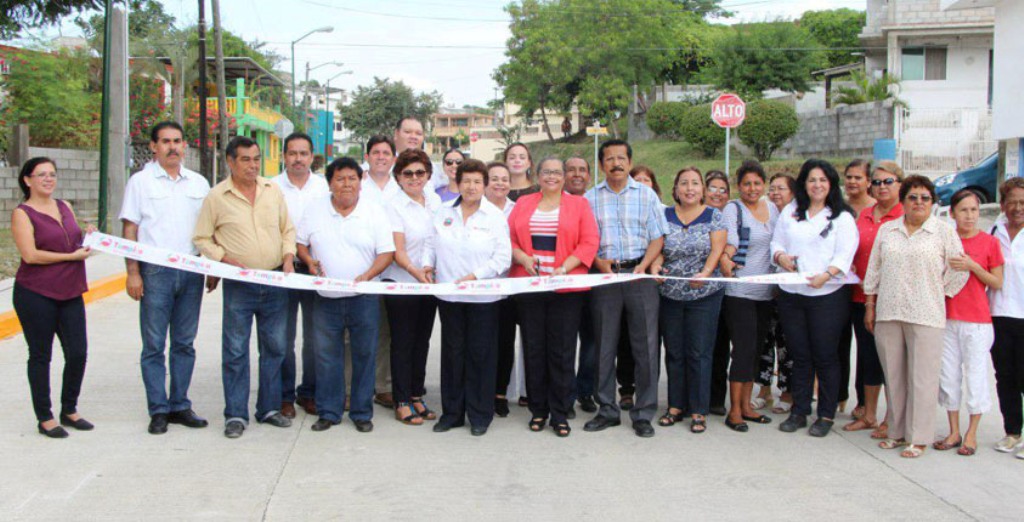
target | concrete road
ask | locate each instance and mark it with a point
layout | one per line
(119, 472)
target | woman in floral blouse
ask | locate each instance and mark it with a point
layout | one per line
(689, 310)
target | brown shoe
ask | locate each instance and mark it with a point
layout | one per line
(288, 409)
(307, 404)
(384, 399)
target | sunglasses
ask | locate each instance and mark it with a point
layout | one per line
(886, 182)
(451, 162)
(923, 198)
(718, 190)
(418, 173)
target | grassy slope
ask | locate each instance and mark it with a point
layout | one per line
(9, 257)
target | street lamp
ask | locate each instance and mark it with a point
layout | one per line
(325, 29)
(327, 110)
(305, 89)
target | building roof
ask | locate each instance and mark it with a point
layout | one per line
(241, 67)
(840, 70)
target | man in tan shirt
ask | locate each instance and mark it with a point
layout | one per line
(244, 222)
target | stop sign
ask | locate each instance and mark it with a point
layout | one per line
(474, 137)
(728, 111)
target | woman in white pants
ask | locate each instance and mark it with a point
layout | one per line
(969, 333)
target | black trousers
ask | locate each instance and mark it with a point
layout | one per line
(813, 326)
(1008, 359)
(411, 328)
(720, 364)
(469, 349)
(550, 323)
(508, 318)
(41, 318)
(625, 368)
(869, 366)
(747, 322)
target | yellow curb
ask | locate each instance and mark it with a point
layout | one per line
(101, 288)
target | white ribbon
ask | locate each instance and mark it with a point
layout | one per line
(117, 246)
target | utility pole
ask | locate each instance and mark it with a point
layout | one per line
(114, 119)
(204, 148)
(222, 97)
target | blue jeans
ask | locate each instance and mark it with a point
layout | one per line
(306, 389)
(171, 300)
(268, 304)
(689, 329)
(360, 315)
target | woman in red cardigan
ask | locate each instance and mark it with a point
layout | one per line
(553, 233)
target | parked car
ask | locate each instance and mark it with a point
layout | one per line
(981, 178)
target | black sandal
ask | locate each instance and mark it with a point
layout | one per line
(760, 419)
(670, 419)
(537, 423)
(698, 425)
(562, 430)
(426, 413)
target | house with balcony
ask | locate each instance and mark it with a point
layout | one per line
(452, 127)
(944, 60)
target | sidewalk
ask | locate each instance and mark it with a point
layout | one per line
(119, 472)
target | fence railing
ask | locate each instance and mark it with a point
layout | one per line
(935, 142)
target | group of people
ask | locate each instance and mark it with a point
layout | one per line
(399, 217)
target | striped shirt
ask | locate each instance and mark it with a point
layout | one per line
(628, 220)
(543, 237)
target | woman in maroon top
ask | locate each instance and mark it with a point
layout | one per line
(48, 290)
(886, 179)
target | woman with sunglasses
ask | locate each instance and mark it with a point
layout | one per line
(816, 236)
(886, 179)
(909, 276)
(412, 316)
(452, 159)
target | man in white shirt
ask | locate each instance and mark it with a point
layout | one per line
(160, 208)
(301, 189)
(342, 237)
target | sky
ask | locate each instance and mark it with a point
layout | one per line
(451, 46)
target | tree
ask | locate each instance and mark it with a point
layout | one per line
(705, 8)
(374, 109)
(589, 52)
(838, 31)
(865, 91)
(146, 18)
(23, 14)
(758, 57)
(767, 126)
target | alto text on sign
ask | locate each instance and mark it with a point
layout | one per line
(728, 111)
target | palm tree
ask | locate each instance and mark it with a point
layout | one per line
(864, 90)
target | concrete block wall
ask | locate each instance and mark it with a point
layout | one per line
(930, 12)
(847, 131)
(78, 175)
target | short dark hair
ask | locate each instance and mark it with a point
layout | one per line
(749, 167)
(377, 139)
(297, 136)
(858, 162)
(833, 200)
(342, 163)
(916, 181)
(26, 172)
(577, 156)
(961, 195)
(1008, 186)
(710, 176)
(790, 181)
(409, 157)
(469, 166)
(154, 133)
(612, 143)
(398, 125)
(644, 169)
(239, 142)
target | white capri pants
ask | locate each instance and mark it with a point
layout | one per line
(966, 354)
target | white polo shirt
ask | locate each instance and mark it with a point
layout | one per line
(480, 245)
(298, 199)
(373, 193)
(345, 246)
(416, 223)
(1009, 300)
(818, 243)
(165, 209)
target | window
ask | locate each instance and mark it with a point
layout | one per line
(920, 63)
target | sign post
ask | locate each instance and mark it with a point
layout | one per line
(596, 131)
(728, 112)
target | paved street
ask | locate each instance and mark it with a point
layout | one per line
(119, 472)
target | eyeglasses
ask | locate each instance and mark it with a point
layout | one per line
(923, 198)
(551, 173)
(418, 173)
(451, 162)
(778, 189)
(45, 175)
(886, 182)
(718, 190)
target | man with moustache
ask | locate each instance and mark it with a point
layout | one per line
(343, 237)
(577, 181)
(300, 188)
(161, 206)
(633, 230)
(244, 222)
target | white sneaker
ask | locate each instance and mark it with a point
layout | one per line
(1008, 444)
(1020, 454)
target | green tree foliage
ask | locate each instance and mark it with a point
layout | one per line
(50, 93)
(699, 131)
(705, 8)
(837, 30)
(767, 126)
(589, 52)
(757, 57)
(666, 118)
(374, 109)
(864, 90)
(24, 14)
